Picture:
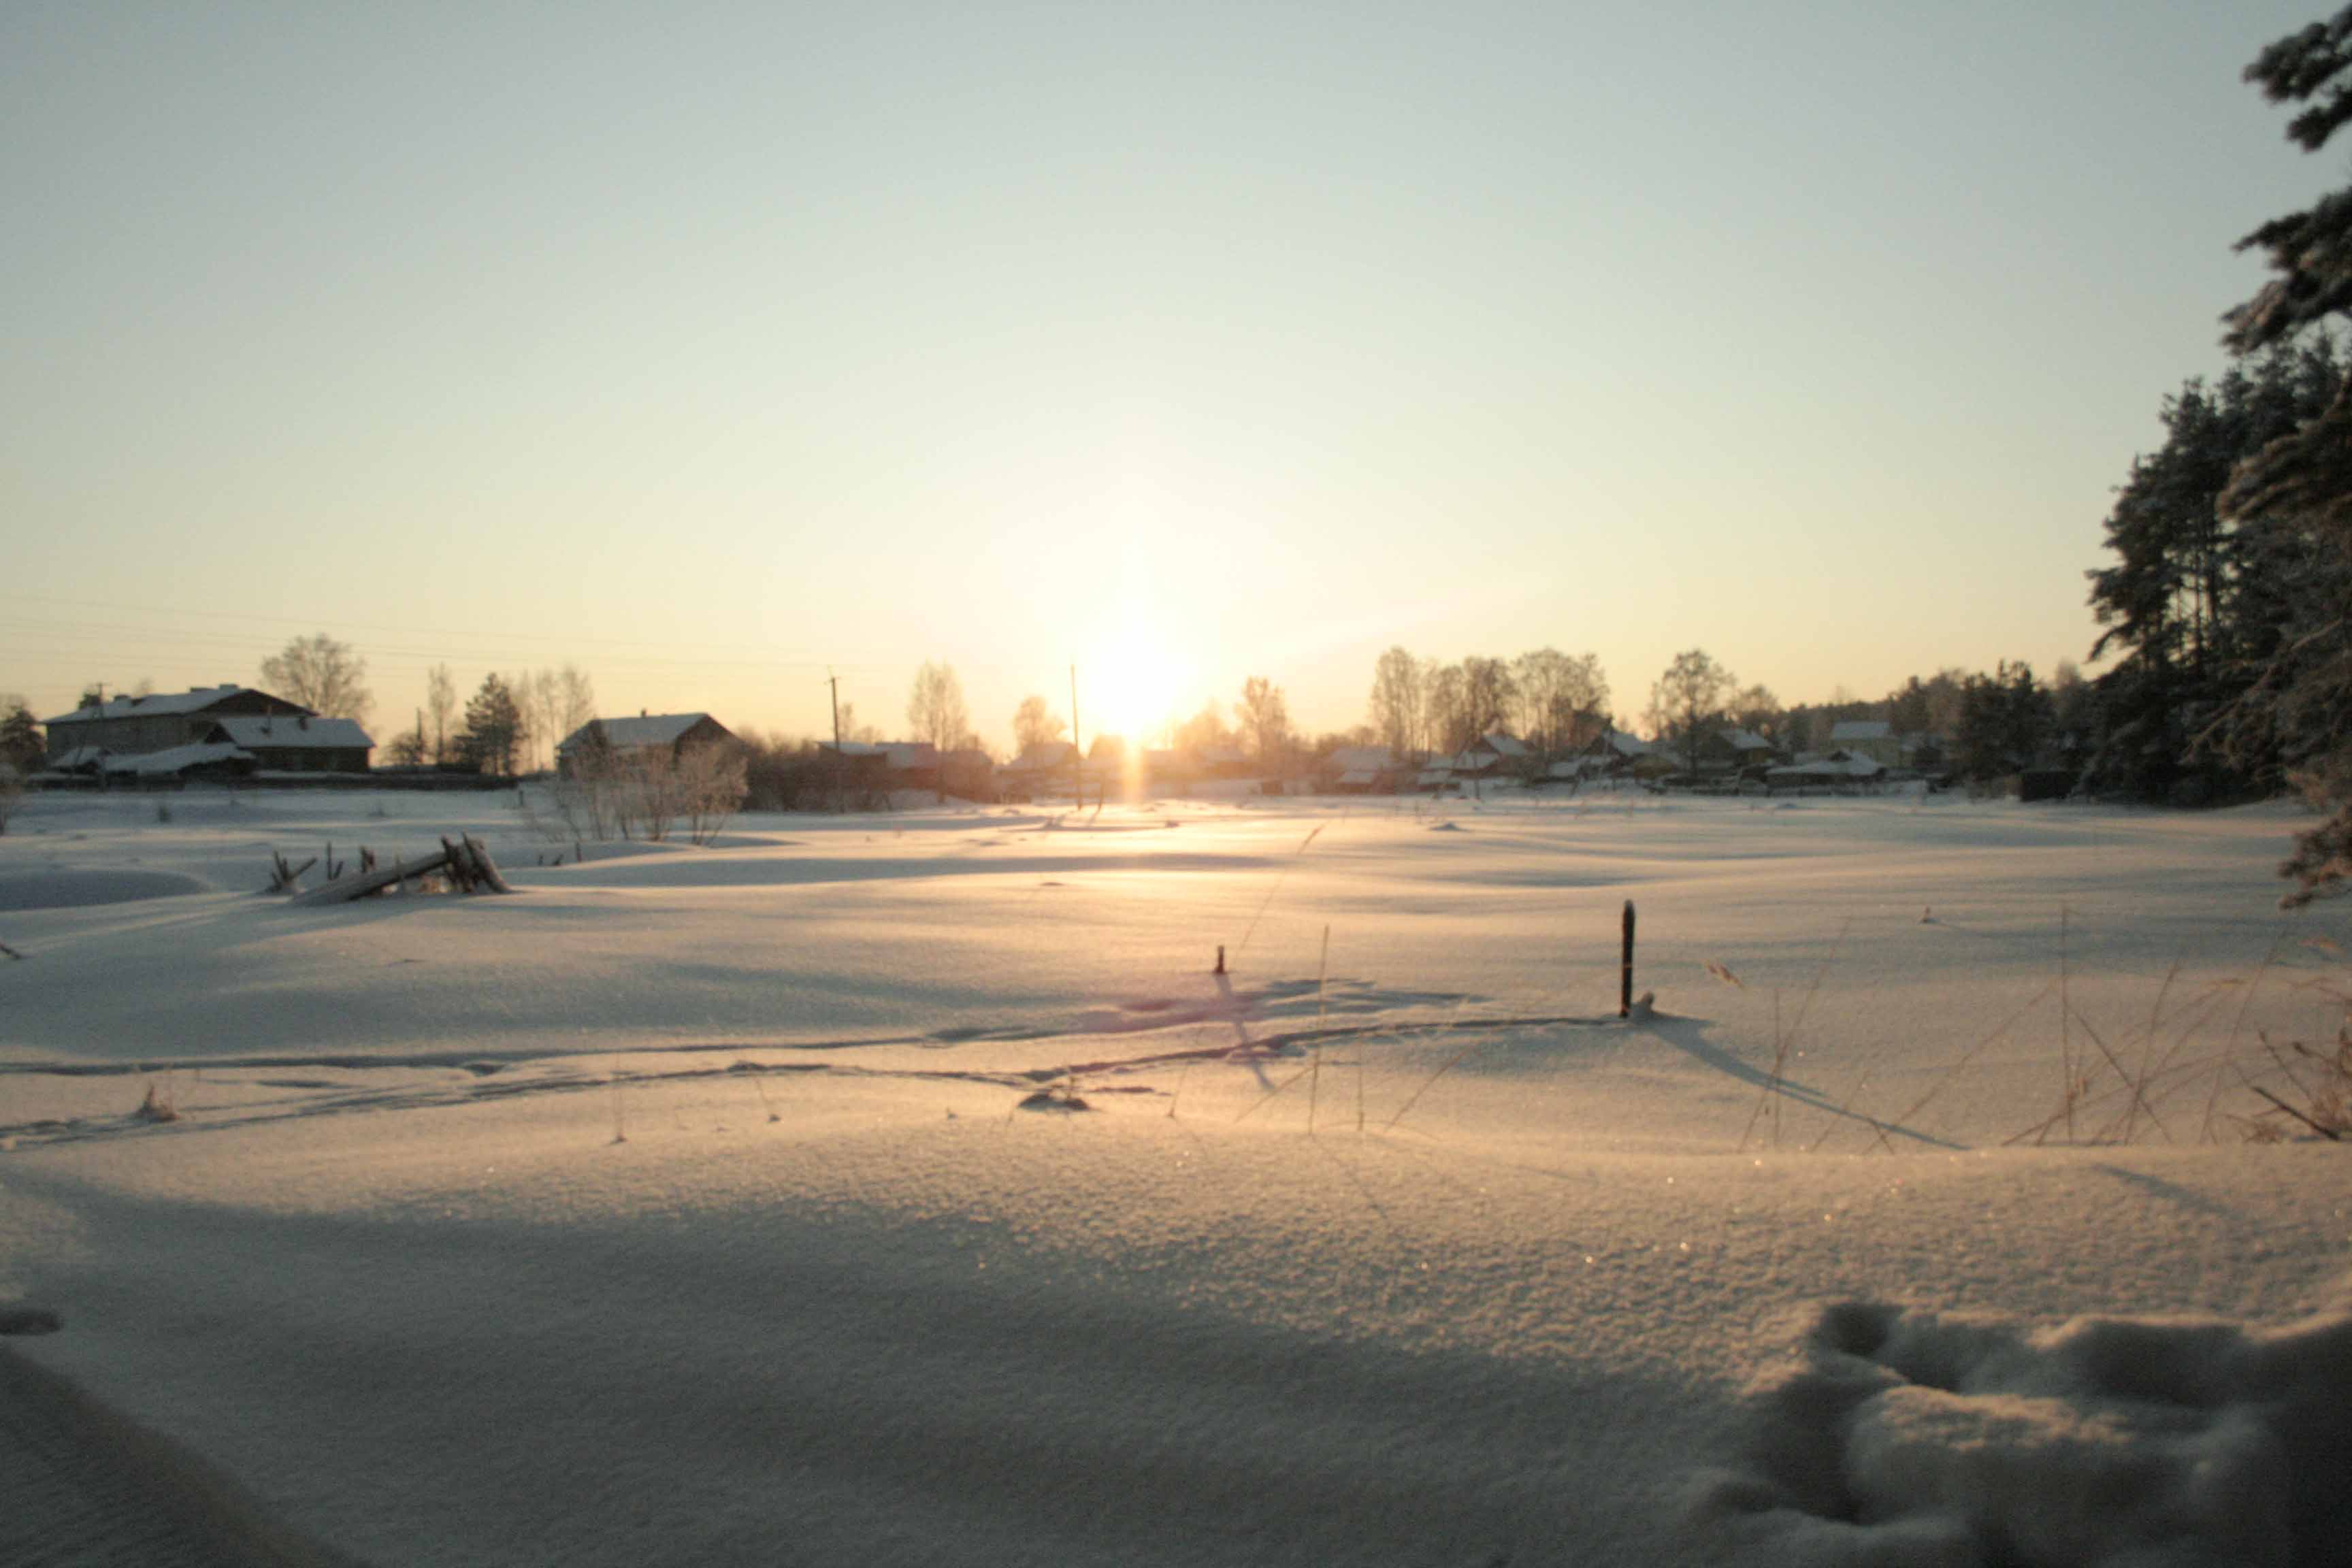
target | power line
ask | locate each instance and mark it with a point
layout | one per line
(408, 630)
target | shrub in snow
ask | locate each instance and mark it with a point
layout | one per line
(1909, 1437)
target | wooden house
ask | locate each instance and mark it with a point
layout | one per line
(672, 732)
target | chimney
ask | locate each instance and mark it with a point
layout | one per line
(642, 713)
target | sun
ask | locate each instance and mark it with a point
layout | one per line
(1132, 689)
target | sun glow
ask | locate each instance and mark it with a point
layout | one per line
(1134, 689)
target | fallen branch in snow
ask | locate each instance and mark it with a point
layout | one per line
(10, 951)
(465, 863)
(285, 879)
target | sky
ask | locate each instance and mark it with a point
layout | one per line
(719, 348)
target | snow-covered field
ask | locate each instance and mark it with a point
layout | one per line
(683, 1207)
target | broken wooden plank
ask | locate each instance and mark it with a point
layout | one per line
(484, 869)
(360, 884)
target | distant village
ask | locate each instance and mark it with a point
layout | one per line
(237, 734)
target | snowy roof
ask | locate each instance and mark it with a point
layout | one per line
(645, 729)
(901, 755)
(278, 730)
(1044, 755)
(1361, 759)
(196, 699)
(1504, 745)
(1861, 729)
(78, 757)
(1744, 741)
(1360, 777)
(1836, 765)
(178, 759)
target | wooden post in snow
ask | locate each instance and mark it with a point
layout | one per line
(1625, 968)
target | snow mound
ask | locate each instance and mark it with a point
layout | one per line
(77, 890)
(1908, 1437)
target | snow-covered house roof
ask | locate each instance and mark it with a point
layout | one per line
(1848, 732)
(901, 756)
(278, 730)
(1361, 759)
(1503, 745)
(1837, 764)
(1616, 743)
(196, 699)
(1744, 739)
(1042, 757)
(634, 734)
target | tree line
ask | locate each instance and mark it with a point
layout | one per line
(2228, 604)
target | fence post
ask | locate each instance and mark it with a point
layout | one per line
(1625, 969)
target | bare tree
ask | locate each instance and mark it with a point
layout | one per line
(1202, 730)
(1687, 697)
(935, 708)
(578, 698)
(712, 784)
(1399, 702)
(1756, 709)
(323, 675)
(1265, 715)
(1447, 698)
(1034, 724)
(441, 704)
(1489, 694)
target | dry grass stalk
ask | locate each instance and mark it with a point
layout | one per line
(2230, 1050)
(1775, 1087)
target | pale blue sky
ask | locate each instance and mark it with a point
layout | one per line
(706, 345)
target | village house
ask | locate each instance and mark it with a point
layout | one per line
(1732, 749)
(1039, 769)
(204, 732)
(671, 732)
(1607, 754)
(1360, 770)
(1872, 738)
(1840, 770)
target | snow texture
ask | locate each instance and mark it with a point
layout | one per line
(682, 1208)
(1912, 1437)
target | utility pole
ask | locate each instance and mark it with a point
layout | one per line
(834, 681)
(1077, 754)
